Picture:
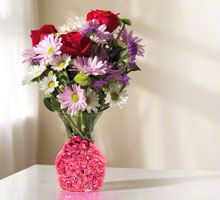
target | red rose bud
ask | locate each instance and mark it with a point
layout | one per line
(38, 35)
(74, 44)
(105, 17)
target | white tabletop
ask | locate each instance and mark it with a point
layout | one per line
(39, 182)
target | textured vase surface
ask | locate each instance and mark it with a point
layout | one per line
(80, 165)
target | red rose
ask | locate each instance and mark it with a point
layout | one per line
(74, 44)
(38, 35)
(105, 17)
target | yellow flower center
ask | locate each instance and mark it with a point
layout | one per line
(115, 96)
(51, 84)
(50, 50)
(61, 65)
(75, 98)
(58, 34)
(61, 87)
(37, 72)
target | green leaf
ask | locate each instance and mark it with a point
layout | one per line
(48, 103)
(72, 74)
(63, 74)
(120, 21)
(63, 79)
(126, 21)
(54, 94)
(136, 68)
(90, 34)
(124, 52)
(70, 83)
(56, 105)
(36, 79)
(101, 98)
(122, 56)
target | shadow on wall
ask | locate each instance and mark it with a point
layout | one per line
(175, 89)
(128, 142)
(119, 131)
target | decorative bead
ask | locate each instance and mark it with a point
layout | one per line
(80, 166)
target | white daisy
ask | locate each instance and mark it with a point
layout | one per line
(34, 71)
(49, 83)
(48, 48)
(92, 101)
(60, 62)
(72, 25)
(116, 98)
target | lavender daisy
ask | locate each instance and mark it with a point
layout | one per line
(100, 35)
(74, 100)
(28, 55)
(89, 27)
(117, 73)
(91, 66)
(48, 48)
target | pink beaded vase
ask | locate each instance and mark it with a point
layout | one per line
(80, 165)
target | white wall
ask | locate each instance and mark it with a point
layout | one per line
(173, 114)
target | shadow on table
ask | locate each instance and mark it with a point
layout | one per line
(147, 183)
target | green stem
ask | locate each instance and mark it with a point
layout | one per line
(82, 122)
(119, 34)
(66, 74)
(75, 127)
(104, 107)
(123, 86)
(69, 132)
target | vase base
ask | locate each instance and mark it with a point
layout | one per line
(80, 166)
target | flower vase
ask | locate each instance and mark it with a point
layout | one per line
(80, 165)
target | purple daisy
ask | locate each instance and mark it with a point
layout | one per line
(102, 82)
(130, 65)
(134, 46)
(126, 79)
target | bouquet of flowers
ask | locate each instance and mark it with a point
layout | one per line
(83, 67)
